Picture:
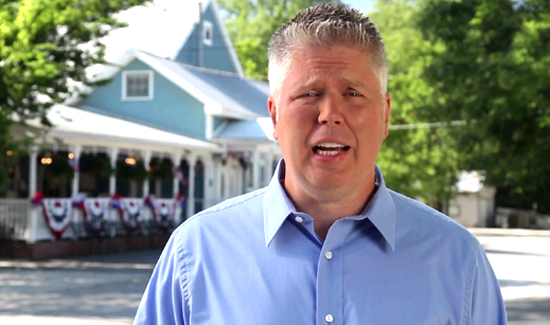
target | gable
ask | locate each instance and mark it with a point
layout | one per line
(218, 52)
(170, 108)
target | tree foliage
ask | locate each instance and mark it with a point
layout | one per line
(252, 22)
(420, 162)
(45, 47)
(493, 73)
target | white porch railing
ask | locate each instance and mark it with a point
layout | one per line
(14, 216)
(20, 220)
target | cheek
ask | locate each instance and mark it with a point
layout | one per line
(297, 122)
(367, 128)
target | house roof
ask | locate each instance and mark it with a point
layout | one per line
(258, 129)
(225, 35)
(227, 89)
(223, 93)
(85, 127)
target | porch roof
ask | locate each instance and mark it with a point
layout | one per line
(78, 126)
(258, 129)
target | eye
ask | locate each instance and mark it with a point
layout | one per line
(310, 94)
(353, 94)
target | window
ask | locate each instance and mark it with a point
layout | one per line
(207, 33)
(137, 85)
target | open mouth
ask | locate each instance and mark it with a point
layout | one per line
(330, 149)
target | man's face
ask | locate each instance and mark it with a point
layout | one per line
(330, 118)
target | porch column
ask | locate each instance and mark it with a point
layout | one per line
(76, 178)
(176, 162)
(268, 168)
(113, 154)
(32, 171)
(208, 181)
(218, 180)
(243, 175)
(256, 169)
(32, 217)
(146, 156)
(191, 160)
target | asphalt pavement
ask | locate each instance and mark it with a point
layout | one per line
(106, 289)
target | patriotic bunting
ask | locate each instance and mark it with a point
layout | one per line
(96, 212)
(164, 211)
(130, 211)
(58, 214)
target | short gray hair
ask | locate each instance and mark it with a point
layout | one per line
(325, 24)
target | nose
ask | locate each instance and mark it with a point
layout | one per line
(330, 110)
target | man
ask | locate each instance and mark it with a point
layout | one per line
(326, 242)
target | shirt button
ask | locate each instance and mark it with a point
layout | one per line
(329, 318)
(299, 219)
(328, 255)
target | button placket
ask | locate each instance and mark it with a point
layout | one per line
(330, 281)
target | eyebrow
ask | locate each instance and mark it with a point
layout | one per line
(307, 84)
(314, 80)
(355, 83)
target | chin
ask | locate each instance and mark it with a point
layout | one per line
(328, 181)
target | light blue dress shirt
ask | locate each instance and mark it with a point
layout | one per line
(255, 260)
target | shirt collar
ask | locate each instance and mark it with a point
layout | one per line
(277, 207)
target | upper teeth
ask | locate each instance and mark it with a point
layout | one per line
(330, 145)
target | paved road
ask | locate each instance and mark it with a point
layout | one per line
(91, 290)
(106, 289)
(521, 260)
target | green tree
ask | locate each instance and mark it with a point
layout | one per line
(489, 67)
(45, 47)
(417, 161)
(252, 22)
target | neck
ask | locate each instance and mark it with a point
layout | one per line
(326, 206)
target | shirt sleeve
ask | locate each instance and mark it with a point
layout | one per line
(162, 301)
(487, 306)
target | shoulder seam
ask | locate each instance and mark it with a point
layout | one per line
(183, 268)
(210, 211)
(434, 213)
(469, 290)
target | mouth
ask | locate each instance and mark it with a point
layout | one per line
(330, 148)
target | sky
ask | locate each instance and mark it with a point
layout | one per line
(364, 6)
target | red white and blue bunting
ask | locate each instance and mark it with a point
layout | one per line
(95, 212)
(58, 214)
(164, 211)
(130, 211)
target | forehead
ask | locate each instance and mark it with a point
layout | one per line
(334, 53)
(343, 63)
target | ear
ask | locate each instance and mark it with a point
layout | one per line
(273, 113)
(387, 111)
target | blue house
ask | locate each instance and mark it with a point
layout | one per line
(193, 113)
(199, 93)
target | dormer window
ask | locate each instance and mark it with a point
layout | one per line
(207, 33)
(137, 85)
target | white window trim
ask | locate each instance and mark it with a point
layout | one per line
(207, 25)
(151, 85)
